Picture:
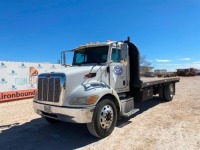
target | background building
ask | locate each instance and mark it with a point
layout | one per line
(160, 71)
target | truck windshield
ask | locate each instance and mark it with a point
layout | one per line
(90, 55)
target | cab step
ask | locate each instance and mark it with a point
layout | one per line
(128, 114)
(128, 107)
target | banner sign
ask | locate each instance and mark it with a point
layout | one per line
(14, 95)
(19, 79)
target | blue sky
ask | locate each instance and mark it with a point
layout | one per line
(167, 32)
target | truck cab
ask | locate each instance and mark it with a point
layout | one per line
(111, 58)
(99, 87)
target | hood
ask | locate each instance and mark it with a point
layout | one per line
(68, 71)
(72, 79)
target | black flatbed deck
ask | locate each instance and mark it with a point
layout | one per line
(149, 81)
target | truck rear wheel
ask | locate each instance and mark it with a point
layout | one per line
(168, 92)
(104, 119)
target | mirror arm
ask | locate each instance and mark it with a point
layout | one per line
(63, 58)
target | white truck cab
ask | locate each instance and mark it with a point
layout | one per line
(98, 88)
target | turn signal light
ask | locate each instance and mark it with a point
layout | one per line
(91, 99)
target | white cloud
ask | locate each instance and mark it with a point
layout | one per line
(163, 60)
(169, 64)
(197, 62)
(185, 59)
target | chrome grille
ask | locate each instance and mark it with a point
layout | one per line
(49, 89)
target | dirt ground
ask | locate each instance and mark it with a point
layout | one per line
(158, 125)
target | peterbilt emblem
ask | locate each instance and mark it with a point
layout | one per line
(118, 70)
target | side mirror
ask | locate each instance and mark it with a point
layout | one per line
(124, 54)
(124, 51)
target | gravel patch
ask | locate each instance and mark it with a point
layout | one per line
(158, 125)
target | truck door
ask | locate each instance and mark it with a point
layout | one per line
(119, 76)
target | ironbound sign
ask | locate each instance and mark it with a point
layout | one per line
(18, 80)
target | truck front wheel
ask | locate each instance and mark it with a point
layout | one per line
(104, 119)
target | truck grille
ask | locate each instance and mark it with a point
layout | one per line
(49, 89)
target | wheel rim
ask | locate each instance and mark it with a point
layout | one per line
(106, 116)
(171, 91)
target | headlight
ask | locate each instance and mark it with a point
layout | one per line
(83, 100)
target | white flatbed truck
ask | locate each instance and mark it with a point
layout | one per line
(99, 87)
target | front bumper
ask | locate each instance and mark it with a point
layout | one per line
(67, 114)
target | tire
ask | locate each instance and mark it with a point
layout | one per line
(50, 120)
(168, 92)
(161, 92)
(104, 119)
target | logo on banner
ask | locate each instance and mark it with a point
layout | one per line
(22, 65)
(13, 87)
(12, 73)
(33, 73)
(3, 81)
(3, 65)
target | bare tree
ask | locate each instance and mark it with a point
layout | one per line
(145, 65)
(144, 62)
